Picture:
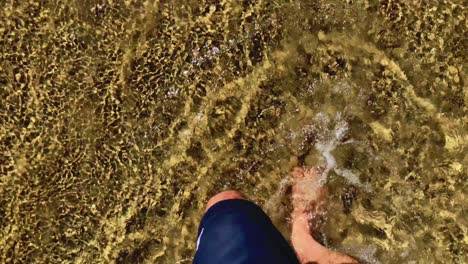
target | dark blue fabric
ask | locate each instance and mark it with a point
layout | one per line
(239, 232)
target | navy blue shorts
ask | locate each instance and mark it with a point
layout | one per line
(239, 232)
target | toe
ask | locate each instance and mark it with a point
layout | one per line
(297, 172)
(310, 173)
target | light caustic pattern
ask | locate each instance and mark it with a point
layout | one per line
(119, 119)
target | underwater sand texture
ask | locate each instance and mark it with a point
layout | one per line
(119, 119)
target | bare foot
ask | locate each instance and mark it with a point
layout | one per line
(308, 196)
(307, 193)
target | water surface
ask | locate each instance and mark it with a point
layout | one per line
(119, 119)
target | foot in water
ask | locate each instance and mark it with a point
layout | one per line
(308, 195)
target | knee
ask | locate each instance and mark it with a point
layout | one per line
(226, 195)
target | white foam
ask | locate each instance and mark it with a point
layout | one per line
(328, 141)
(367, 254)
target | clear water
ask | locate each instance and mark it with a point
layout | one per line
(119, 119)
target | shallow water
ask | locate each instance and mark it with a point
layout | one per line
(119, 119)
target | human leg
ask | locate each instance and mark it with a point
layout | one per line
(307, 197)
(222, 196)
